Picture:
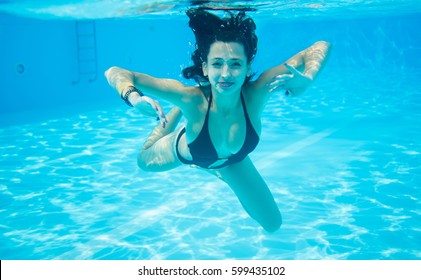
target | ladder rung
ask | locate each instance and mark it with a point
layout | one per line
(86, 48)
(87, 60)
(87, 72)
(86, 35)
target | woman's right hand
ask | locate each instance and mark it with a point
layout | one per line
(149, 107)
(294, 83)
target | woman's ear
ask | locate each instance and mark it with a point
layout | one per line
(205, 69)
(249, 70)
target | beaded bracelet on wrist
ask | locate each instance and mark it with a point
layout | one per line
(125, 93)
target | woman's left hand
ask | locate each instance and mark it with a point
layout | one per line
(150, 107)
(294, 83)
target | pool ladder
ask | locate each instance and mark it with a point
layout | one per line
(87, 65)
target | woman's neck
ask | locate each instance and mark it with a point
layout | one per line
(225, 103)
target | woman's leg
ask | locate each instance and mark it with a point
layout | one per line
(157, 153)
(253, 193)
(173, 118)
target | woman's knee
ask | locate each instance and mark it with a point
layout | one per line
(141, 162)
(155, 162)
(147, 162)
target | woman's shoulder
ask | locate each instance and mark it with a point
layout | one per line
(195, 95)
(205, 90)
(191, 91)
(199, 91)
(251, 89)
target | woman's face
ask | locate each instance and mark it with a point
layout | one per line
(226, 67)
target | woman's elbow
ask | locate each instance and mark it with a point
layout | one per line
(110, 70)
(323, 43)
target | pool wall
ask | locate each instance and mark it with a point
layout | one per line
(40, 69)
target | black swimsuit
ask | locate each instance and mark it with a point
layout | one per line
(204, 153)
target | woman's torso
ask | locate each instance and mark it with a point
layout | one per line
(209, 130)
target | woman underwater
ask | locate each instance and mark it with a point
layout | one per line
(223, 112)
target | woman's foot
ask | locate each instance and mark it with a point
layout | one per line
(173, 118)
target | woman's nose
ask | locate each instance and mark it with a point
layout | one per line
(226, 71)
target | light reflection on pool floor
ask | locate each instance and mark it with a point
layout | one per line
(342, 167)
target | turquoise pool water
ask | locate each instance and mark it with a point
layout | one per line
(343, 162)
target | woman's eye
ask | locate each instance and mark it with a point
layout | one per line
(236, 65)
(217, 64)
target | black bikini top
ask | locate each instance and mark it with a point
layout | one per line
(204, 153)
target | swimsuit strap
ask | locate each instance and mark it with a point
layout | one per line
(204, 153)
(205, 123)
(197, 144)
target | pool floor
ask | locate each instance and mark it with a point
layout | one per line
(343, 162)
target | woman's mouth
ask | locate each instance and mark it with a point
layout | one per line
(225, 84)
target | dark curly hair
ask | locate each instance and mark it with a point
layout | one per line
(209, 28)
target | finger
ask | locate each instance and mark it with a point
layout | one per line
(292, 69)
(154, 108)
(157, 107)
(147, 106)
(163, 121)
(280, 79)
(275, 88)
(161, 116)
(285, 77)
(274, 83)
(147, 110)
(159, 111)
(277, 82)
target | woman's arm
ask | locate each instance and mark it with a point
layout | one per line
(314, 58)
(171, 90)
(168, 89)
(296, 73)
(293, 76)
